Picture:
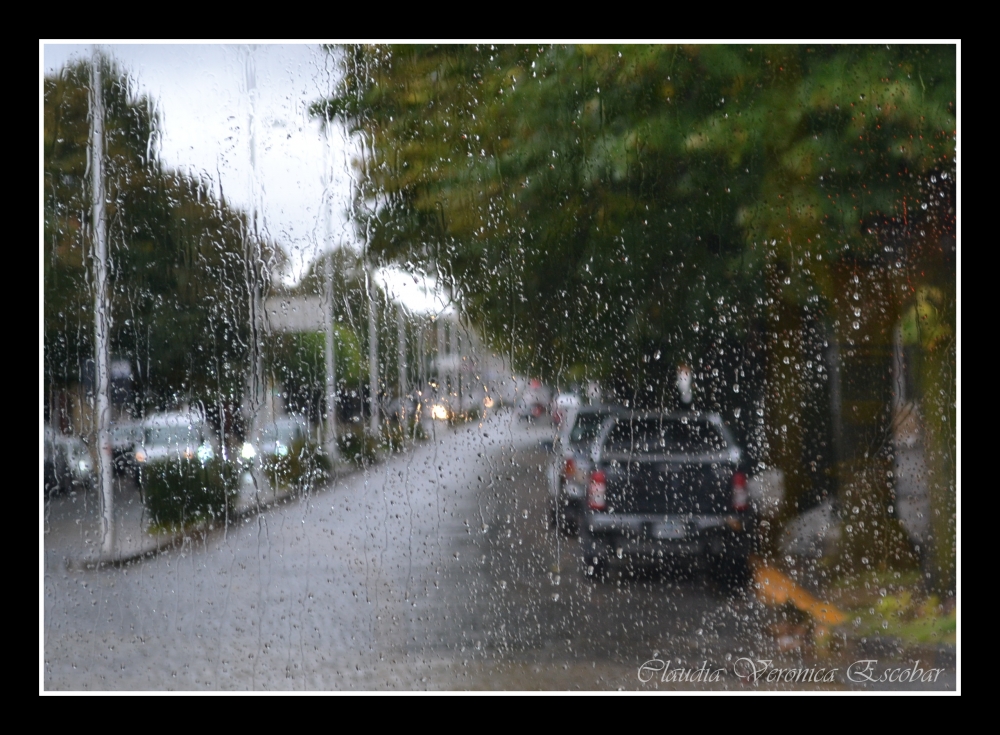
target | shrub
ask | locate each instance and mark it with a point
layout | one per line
(358, 448)
(182, 492)
(303, 466)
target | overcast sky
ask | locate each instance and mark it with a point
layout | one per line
(204, 103)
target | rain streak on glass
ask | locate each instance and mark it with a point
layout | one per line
(566, 367)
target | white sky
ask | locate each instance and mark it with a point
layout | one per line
(204, 106)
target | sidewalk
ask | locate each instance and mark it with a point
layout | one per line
(72, 523)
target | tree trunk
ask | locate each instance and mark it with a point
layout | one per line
(786, 395)
(866, 314)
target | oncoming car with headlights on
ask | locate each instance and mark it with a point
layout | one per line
(180, 436)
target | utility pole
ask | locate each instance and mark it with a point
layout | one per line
(421, 364)
(373, 426)
(329, 323)
(441, 376)
(254, 261)
(401, 362)
(102, 317)
(459, 364)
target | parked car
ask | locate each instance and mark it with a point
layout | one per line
(667, 489)
(571, 464)
(67, 464)
(174, 435)
(562, 406)
(276, 438)
(533, 403)
(125, 437)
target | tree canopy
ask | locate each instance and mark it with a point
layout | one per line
(612, 211)
(180, 259)
(604, 202)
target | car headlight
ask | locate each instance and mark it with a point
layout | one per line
(248, 452)
(84, 465)
(488, 402)
(281, 450)
(439, 412)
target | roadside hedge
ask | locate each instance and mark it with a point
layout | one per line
(179, 493)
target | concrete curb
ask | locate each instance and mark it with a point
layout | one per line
(199, 533)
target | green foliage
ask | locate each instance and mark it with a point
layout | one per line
(611, 212)
(398, 435)
(175, 251)
(298, 358)
(594, 204)
(304, 467)
(358, 447)
(180, 493)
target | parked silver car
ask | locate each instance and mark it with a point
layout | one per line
(125, 437)
(175, 435)
(68, 464)
(571, 463)
(276, 438)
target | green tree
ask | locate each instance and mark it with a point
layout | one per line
(599, 207)
(179, 261)
(298, 358)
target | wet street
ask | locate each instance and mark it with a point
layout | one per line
(435, 569)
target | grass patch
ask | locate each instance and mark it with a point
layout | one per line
(895, 604)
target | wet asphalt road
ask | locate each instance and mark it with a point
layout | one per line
(433, 570)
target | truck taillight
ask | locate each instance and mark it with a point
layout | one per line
(569, 469)
(741, 498)
(595, 490)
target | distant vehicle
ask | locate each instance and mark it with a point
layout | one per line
(125, 437)
(571, 464)
(67, 464)
(175, 436)
(667, 489)
(534, 401)
(277, 438)
(562, 405)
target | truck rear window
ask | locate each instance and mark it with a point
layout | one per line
(586, 428)
(655, 436)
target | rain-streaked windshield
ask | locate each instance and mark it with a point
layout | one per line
(500, 366)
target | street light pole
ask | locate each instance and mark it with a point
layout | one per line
(102, 317)
(329, 323)
(254, 259)
(401, 364)
(372, 352)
